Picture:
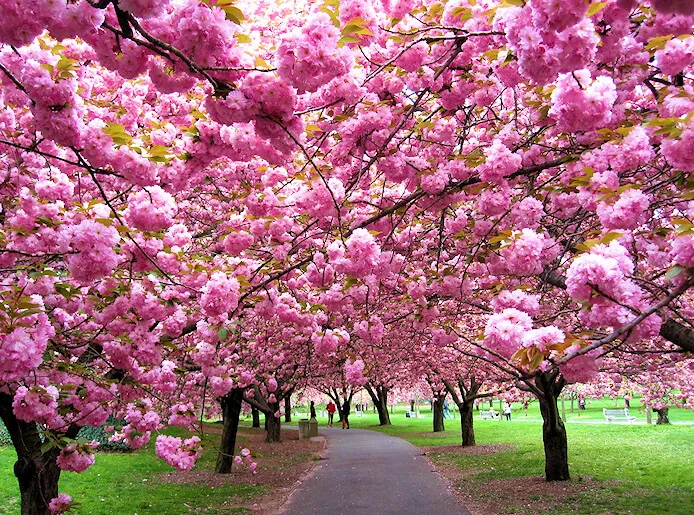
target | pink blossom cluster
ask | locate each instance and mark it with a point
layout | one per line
(413, 58)
(179, 453)
(61, 504)
(151, 209)
(582, 104)
(38, 404)
(328, 341)
(527, 213)
(77, 457)
(370, 331)
(238, 241)
(21, 350)
(581, 369)
(504, 331)
(361, 256)
(142, 418)
(517, 299)
(527, 252)
(93, 244)
(57, 109)
(677, 151)
(319, 272)
(441, 338)
(543, 337)
(220, 294)
(605, 269)
(628, 212)
(182, 414)
(354, 373)
(548, 39)
(397, 8)
(677, 55)
(23, 20)
(244, 457)
(683, 251)
(500, 163)
(309, 57)
(321, 199)
(144, 8)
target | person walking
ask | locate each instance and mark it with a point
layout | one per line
(331, 412)
(313, 410)
(507, 411)
(345, 413)
(446, 410)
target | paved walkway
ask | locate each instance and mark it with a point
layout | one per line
(366, 472)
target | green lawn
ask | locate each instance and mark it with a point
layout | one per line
(641, 469)
(126, 483)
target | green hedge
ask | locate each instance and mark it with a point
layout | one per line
(98, 434)
(4, 435)
(89, 433)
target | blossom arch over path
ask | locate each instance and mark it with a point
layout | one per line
(196, 193)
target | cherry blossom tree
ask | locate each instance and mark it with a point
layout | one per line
(174, 170)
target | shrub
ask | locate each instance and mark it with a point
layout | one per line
(101, 436)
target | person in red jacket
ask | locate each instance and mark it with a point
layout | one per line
(331, 412)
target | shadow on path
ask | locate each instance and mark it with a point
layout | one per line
(365, 472)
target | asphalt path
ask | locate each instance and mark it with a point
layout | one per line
(365, 472)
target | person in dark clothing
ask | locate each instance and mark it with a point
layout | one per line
(345, 413)
(313, 410)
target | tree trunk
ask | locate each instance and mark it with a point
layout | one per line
(438, 414)
(37, 473)
(380, 399)
(255, 413)
(288, 408)
(273, 424)
(231, 412)
(553, 432)
(663, 417)
(467, 429)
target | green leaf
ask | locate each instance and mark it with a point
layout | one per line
(223, 333)
(47, 446)
(347, 39)
(232, 13)
(596, 8)
(611, 236)
(674, 272)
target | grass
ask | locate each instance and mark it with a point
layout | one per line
(127, 484)
(640, 469)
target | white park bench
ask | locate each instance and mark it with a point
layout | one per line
(489, 415)
(617, 415)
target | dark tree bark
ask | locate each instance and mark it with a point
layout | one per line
(466, 404)
(255, 413)
(467, 428)
(379, 396)
(231, 412)
(38, 474)
(663, 417)
(274, 424)
(288, 407)
(553, 430)
(438, 414)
